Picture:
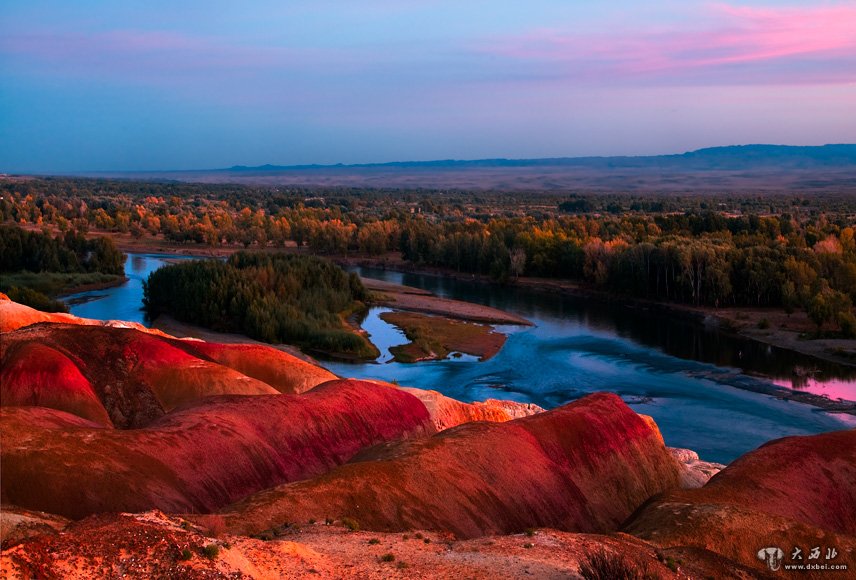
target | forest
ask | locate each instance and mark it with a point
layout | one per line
(35, 266)
(784, 250)
(276, 298)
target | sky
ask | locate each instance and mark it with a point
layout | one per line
(199, 84)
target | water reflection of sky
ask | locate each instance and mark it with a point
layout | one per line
(382, 334)
(123, 302)
(832, 388)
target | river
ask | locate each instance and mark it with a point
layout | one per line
(684, 375)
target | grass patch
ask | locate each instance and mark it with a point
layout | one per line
(58, 283)
(434, 337)
(601, 565)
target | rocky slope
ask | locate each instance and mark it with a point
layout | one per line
(447, 412)
(126, 377)
(200, 457)
(792, 492)
(582, 467)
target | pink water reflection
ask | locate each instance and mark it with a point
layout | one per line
(832, 388)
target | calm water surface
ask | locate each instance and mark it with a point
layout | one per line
(682, 374)
(123, 302)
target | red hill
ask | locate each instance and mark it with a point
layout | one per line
(796, 491)
(198, 458)
(583, 467)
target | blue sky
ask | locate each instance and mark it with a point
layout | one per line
(106, 85)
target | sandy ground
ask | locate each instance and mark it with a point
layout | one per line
(790, 331)
(416, 300)
(149, 544)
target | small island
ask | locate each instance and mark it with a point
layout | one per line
(436, 337)
(276, 298)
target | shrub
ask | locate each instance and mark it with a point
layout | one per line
(35, 299)
(601, 565)
(374, 541)
(214, 524)
(351, 524)
(671, 564)
(387, 557)
(528, 545)
(763, 324)
(847, 323)
(211, 551)
(185, 554)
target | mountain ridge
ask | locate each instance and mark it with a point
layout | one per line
(830, 154)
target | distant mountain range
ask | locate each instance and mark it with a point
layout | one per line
(739, 168)
(732, 157)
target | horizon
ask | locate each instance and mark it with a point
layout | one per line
(96, 172)
(101, 87)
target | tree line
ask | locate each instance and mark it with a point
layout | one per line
(276, 298)
(34, 265)
(778, 250)
(36, 251)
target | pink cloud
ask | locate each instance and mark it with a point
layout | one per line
(811, 44)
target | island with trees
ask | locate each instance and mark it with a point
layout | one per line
(276, 298)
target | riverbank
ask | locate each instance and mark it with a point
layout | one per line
(771, 326)
(61, 284)
(116, 281)
(417, 300)
(779, 330)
